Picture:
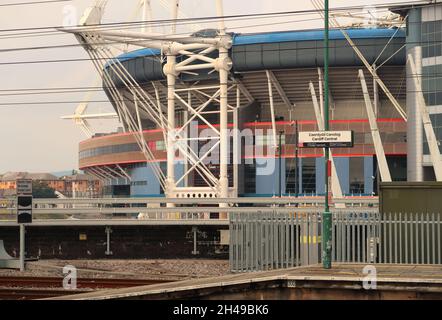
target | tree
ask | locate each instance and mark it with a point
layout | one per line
(42, 190)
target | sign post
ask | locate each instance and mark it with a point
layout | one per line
(24, 213)
(326, 139)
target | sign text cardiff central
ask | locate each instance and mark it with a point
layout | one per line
(321, 139)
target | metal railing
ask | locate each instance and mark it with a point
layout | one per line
(276, 239)
(155, 208)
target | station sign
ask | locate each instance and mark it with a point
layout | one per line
(24, 200)
(322, 139)
(24, 186)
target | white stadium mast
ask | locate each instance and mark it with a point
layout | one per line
(97, 41)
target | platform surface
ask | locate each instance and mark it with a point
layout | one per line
(391, 277)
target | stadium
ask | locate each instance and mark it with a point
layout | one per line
(273, 91)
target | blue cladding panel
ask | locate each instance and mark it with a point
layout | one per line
(179, 171)
(343, 169)
(144, 174)
(320, 176)
(315, 35)
(267, 177)
(272, 37)
(368, 174)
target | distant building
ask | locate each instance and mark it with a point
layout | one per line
(78, 185)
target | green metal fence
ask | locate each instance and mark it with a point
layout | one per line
(270, 239)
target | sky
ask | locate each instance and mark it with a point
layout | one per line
(33, 137)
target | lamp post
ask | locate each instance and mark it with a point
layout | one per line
(296, 158)
(326, 217)
(280, 162)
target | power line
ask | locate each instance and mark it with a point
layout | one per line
(58, 32)
(148, 22)
(31, 3)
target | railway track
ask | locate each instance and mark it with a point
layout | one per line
(90, 283)
(34, 293)
(28, 288)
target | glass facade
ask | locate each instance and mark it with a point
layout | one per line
(431, 38)
(291, 176)
(118, 148)
(356, 167)
(309, 176)
(431, 41)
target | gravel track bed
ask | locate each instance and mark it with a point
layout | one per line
(143, 269)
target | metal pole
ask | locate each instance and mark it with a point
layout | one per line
(296, 158)
(22, 247)
(326, 219)
(280, 163)
(171, 79)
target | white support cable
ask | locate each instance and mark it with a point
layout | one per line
(142, 143)
(97, 174)
(140, 127)
(387, 92)
(200, 160)
(119, 99)
(143, 103)
(131, 84)
(201, 168)
(124, 172)
(389, 40)
(160, 111)
(90, 172)
(105, 174)
(428, 126)
(204, 172)
(116, 173)
(380, 154)
(198, 109)
(197, 113)
(390, 57)
(216, 99)
(194, 158)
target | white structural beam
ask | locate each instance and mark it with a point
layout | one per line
(279, 88)
(272, 108)
(223, 68)
(428, 127)
(331, 101)
(146, 15)
(246, 93)
(175, 8)
(335, 185)
(415, 131)
(169, 70)
(380, 154)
